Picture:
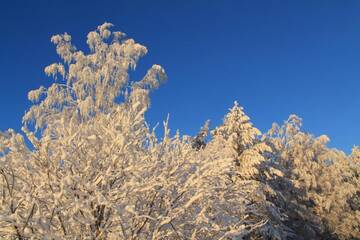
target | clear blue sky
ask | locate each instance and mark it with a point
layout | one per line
(275, 57)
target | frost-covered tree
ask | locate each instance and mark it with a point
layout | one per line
(95, 170)
(238, 140)
(316, 184)
(243, 140)
(199, 141)
(88, 165)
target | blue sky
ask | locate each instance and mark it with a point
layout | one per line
(274, 57)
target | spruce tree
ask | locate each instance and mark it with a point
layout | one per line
(243, 138)
(199, 141)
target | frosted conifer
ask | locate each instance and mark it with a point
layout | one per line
(243, 140)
